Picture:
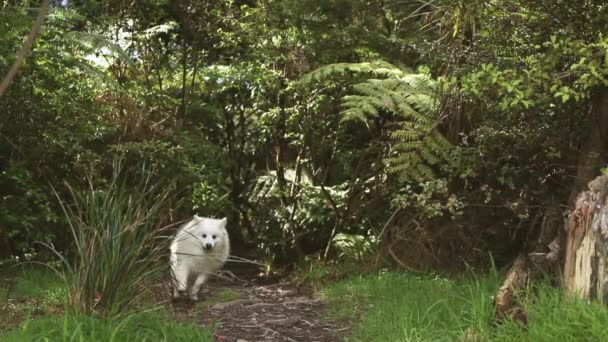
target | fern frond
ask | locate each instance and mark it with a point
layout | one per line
(100, 43)
(406, 135)
(378, 68)
(354, 101)
(354, 115)
(412, 99)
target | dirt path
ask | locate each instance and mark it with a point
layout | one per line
(242, 311)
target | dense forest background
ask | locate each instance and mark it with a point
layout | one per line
(425, 133)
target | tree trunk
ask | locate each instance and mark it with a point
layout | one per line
(280, 147)
(586, 264)
(182, 107)
(236, 235)
(595, 146)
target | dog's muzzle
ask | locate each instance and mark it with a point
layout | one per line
(208, 247)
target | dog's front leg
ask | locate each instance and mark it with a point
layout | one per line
(196, 287)
(180, 280)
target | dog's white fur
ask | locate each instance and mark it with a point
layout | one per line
(199, 248)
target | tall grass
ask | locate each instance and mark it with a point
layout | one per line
(555, 317)
(407, 307)
(118, 242)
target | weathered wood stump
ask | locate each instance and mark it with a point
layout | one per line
(586, 261)
(507, 303)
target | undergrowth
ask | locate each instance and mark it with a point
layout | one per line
(27, 291)
(35, 282)
(320, 274)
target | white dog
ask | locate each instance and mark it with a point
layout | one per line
(199, 248)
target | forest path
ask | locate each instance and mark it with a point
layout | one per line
(247, 310)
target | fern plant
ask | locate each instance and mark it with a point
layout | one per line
(418, 147)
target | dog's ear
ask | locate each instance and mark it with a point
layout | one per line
(223, 221)
(196, 217)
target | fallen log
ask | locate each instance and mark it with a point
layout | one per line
(540, 257)
(507, 303)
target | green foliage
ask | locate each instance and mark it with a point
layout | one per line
(98, 42)
(208, 198)
(543, 66)
(49, 129)
(135, 327)
(377, 68)
(310, 221)
(412, 101)
(117, 237)
(355, 247)
(431, 199)
(205, 92)
(208, 93)
(576, 61)
(319, 274)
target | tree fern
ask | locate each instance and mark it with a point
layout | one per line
(378, 68)
(98, 43)
(411, 98)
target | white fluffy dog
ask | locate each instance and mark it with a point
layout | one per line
(199, 248)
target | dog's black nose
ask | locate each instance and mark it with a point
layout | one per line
(208, 246)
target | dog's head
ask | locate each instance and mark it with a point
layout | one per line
(210, 232)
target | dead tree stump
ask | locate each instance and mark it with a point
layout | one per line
(507, 303)
(586, 262)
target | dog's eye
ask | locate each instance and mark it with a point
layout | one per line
(204, 236)
(214, 236)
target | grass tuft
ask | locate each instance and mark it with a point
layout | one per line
(118, 242)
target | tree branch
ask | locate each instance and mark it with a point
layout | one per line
(25, 49)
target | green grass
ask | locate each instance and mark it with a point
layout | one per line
(406, 307)
(319, 274)
(554, 317)
(136, 327)
(29, 290)
(33, 289)
(34, 282)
